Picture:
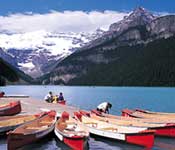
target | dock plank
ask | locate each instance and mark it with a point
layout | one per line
(33, 106)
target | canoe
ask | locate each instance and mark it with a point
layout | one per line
(155, 113)
(62, 102)
(11, 108)
(32, 131)
(133, 135)
(146, 120)
(71, 132)
(140, 114)
(161, 129)
(12, 122)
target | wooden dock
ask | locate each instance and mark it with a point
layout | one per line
(33, 106)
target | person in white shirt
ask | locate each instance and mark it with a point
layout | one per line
(104, 107)
(49, 97)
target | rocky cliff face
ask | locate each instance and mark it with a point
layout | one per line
(134, 32)
(138, 17)
(163, 26)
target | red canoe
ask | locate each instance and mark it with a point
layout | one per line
(62, 102)
(133, 135)
(161, 128)
(32, 131)
(71, 132)
(168, 130)
(11, 108)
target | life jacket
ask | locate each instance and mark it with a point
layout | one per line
(55, 98)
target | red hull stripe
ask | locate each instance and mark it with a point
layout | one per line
(75, 143)
(146, 139)
(168, 131)
(62, 102)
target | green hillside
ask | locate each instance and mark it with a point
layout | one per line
(141, 65)
(9, 74)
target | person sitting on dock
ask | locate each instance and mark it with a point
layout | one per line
(61, 98)
(49, 97)
(104, 107)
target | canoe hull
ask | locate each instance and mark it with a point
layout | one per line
(62, 102)
(142, 139)
(18, 140)
(167, 131)
(75, 142)
(31, 131)
(11, 109)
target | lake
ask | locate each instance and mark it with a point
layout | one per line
(155, 99)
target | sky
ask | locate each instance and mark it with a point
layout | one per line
(18, 16)
(44, 6)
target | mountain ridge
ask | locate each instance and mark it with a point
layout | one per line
(77, 68)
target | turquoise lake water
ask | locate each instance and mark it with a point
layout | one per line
(155, 99)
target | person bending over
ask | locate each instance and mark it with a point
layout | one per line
(104, 107)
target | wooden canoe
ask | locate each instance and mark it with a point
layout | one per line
(71, 132)
(139, 114)
(133, 135)
(11, 108)
(130, 118)
(32, 131)
(12, 122)
(161, 129)
(155, 113)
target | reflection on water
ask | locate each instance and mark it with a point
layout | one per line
(95, 143)
(156, 99)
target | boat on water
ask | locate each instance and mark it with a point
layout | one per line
(31, 131)
(11, 122)
(11, 108)
(161, 129)
(63, 102)
(141, 114)
(71, 132)
(133, 135)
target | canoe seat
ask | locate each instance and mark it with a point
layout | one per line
(45, 122)
(70, 123)
(37, 128)
(92, 124)
(110, 129)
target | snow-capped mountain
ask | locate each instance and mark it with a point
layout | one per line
(139, 16)
(36, 52)
(140, 39)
